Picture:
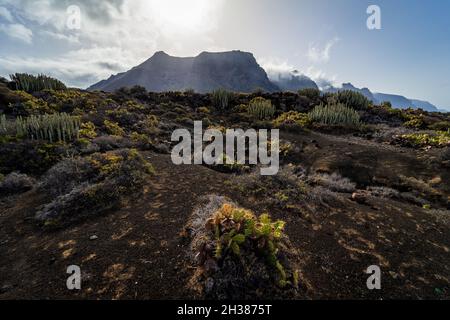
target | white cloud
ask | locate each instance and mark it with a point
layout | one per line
(17, 31)
(277, 68)
(73, 39)
(5, 14)
(76, 68)
(129, 30)
(321, 55)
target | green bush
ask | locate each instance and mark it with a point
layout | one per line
(415, 122)
(87, 130)
(440, 126)
(221, 99)
(419, 140)
(292, 120)
(30, 83)
(335, 114)
(261, 109)
(351, 99)
(113, 128)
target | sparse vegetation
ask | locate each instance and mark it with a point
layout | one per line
(15, 183)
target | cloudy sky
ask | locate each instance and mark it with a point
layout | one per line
(326, 40)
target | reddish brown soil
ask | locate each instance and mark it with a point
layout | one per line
(139, 253)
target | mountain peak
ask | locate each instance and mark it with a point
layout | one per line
(232, 70)
(160, 53)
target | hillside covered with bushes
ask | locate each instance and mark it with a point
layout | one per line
(86, 178)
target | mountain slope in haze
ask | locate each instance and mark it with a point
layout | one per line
(235, 70)
(424, 105)
(348, 86)
(397, 101)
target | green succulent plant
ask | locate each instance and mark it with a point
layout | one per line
(30, 83)
(335, 114)
(261, 109)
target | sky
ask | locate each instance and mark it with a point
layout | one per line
(84, 41)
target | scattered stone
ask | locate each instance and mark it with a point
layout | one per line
(360, 196)
(94, 237)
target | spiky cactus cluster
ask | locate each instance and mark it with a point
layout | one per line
(352, 99)
(221, 99)
(30, 83)
(54, 127)
(3, 124)
(261, 108)
(335, 114)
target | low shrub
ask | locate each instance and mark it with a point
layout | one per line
(415, 122)
(292, 121)
(440, 126)
(418, 140)
(85, 187)
(36, 157)
(333, 182)
(87, 130)
(113, 128)
(109, 143)
(15, 183)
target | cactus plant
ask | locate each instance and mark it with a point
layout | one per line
(54, 127)
(335, 114)
(221, 99)
(261, 108)
(30, 83)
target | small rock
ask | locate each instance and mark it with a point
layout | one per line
(94, 237)
(360, 196)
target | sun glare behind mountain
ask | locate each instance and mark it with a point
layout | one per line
(180, 15)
